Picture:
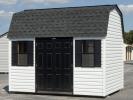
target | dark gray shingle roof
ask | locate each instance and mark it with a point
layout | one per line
(61, 22)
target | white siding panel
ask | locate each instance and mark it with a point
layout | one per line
(21, 78)
(114, 54)
(89, 81)
(3, 54)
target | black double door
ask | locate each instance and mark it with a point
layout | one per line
(54, 65)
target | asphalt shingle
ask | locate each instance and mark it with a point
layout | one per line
(61, 22)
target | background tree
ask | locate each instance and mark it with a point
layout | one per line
(128, 37)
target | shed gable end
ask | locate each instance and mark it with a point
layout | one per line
(114, 54)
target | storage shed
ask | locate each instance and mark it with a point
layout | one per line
(73, 50)
(4, 53)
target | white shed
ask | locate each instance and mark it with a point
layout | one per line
(74, 50)
(4, 53)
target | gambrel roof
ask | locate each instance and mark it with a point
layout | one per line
(90, 21)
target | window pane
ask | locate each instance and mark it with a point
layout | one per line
(22, 59)
(88, 46)
(22, 47)
(87, 60)
(91, 49)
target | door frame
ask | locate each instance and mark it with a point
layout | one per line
(73, 64)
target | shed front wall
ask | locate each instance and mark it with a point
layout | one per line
(114, 54)
(21, 78)
(4, 54)
(86, 81)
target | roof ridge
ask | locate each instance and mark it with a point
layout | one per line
(112, 5)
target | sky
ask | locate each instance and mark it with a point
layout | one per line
(8, 7)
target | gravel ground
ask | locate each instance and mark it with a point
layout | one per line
(125, 94)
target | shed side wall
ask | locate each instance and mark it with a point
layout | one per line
(21, 78)
(114, 54)
(89, 81)
(4, 54)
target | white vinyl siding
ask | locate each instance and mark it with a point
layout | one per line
(4, 54)
(114, 54)
(22, 78)
(89, 81)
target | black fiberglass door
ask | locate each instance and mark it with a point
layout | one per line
(54, 65)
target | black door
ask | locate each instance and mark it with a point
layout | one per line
(54, 65)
